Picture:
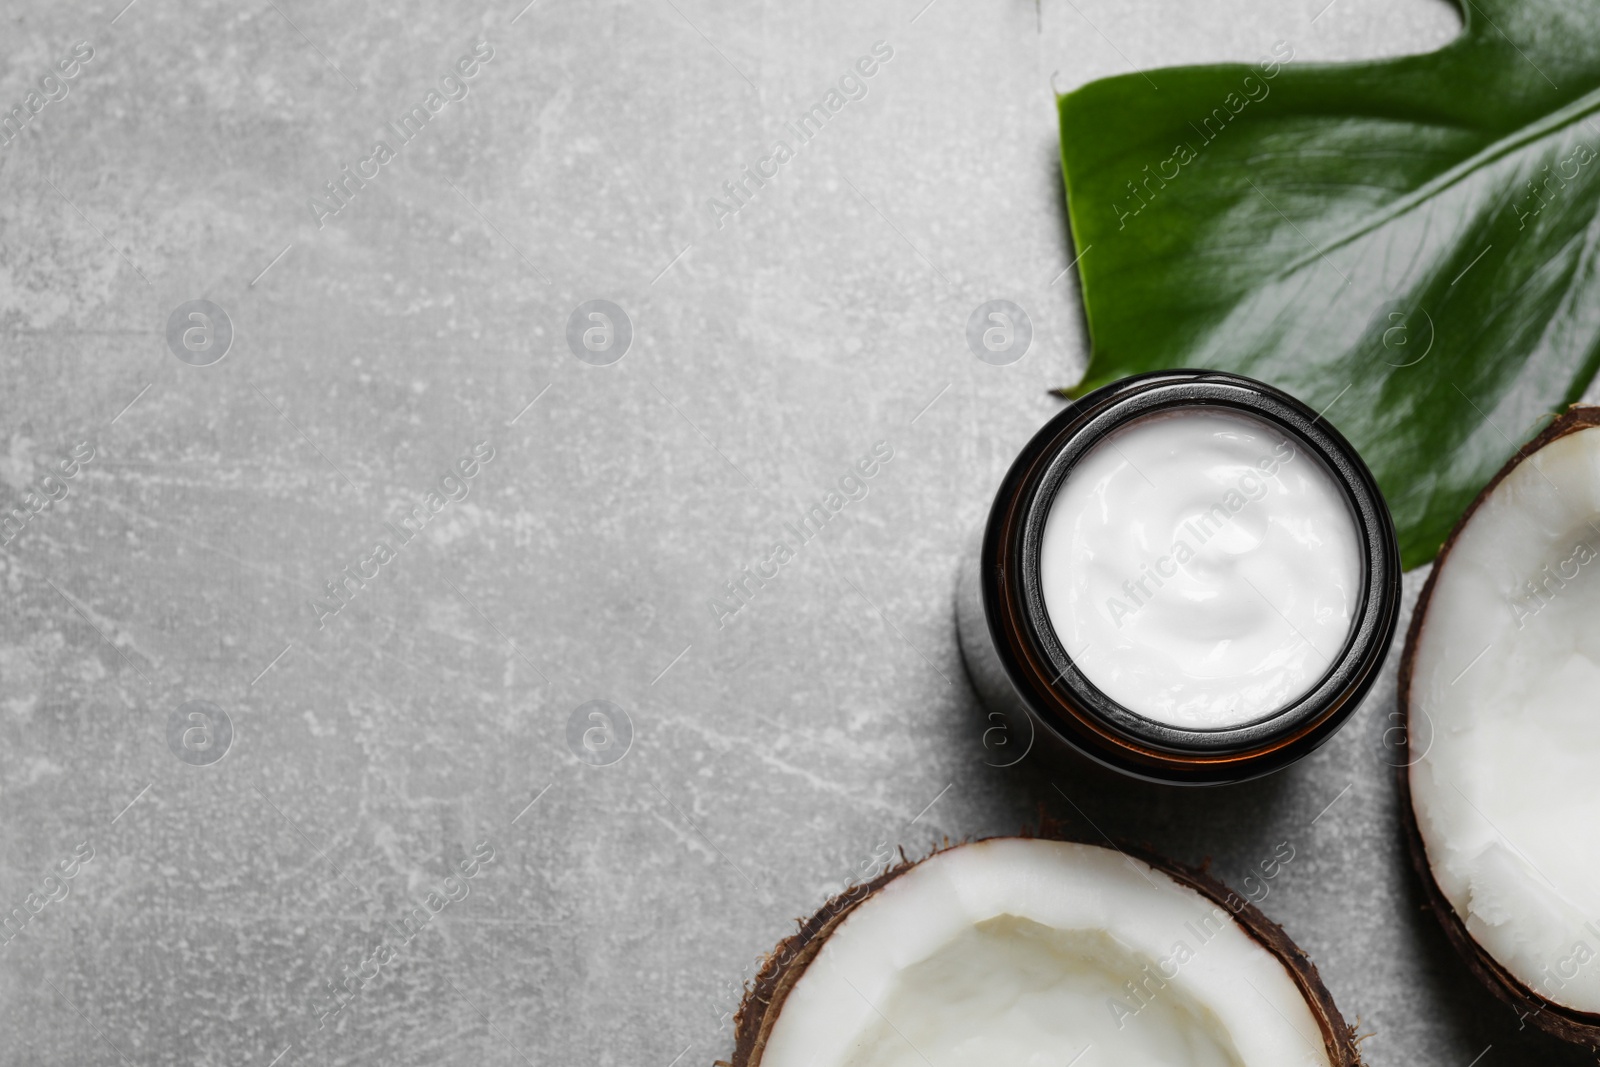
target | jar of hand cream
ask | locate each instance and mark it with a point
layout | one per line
(1187, 576)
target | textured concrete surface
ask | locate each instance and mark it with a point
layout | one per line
(402, 795)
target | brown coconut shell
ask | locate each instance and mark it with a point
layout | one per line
(1567, 1024)
(781, 969)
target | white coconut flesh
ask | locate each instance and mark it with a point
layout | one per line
(1504, 708)
(1042, 954)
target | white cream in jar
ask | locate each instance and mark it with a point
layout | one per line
(1202, 567)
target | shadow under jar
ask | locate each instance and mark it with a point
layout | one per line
(1187, 576)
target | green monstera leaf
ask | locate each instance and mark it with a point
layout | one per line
(1409, 244)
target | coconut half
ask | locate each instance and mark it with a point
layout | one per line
(1045, 953)
(1500, 695)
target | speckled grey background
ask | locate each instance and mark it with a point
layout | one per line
(774, 756)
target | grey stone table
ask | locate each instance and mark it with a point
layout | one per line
(273, 755)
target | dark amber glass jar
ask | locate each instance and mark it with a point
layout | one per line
(1035, 690)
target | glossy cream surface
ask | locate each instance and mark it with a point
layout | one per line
(1202, 567)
